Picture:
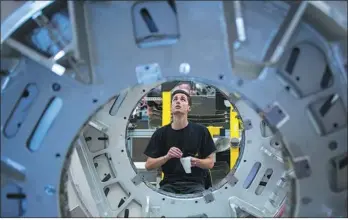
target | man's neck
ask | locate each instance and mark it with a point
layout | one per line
(179, 122)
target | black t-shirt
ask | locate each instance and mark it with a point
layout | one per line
(193, 140)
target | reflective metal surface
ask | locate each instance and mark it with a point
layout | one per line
(298, 85)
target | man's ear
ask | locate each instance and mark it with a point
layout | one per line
(189, 108)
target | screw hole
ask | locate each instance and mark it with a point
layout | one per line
(163, 199)
(221, 77)
(226, 187)
(146, 67)
(335, 125)
(19, 125)
(297, 78)
(57, 155)
(56, 87)
(244, 161)
(276, 143)
(287, 88)
(196, 201)
(143, 90)
(25, 93)
(124, 118)
(306, 200)
(122, 151)
(307, 166)
(95, 100)
(280, 111)
(333, 145)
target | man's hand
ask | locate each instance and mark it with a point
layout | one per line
(206, 163)
(174, 152)
(195, 162)
(153, 163)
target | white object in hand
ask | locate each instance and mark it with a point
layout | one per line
(186, 163)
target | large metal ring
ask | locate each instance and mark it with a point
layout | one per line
(287, 60)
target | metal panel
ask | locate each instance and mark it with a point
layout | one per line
(207, 50)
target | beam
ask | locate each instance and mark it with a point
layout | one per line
(285, 32)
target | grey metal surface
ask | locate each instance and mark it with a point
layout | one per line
(77, 213)
(20, 14)
(114, 57)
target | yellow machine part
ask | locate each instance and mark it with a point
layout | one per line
(234, 133)
(214, 131)
(166, 111)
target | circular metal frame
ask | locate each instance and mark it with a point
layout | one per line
(42, 168)
(127, 180)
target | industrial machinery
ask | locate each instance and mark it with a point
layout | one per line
(209, 108)
(72, 72)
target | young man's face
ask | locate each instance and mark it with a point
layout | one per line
(180, 104)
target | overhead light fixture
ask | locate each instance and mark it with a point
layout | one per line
(58, 69)
(59, 55)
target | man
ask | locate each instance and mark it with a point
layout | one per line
(154, 108)
(181, 139)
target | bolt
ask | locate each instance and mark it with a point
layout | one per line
(235, 142)
(236, 45)
(240, 82)
(50, 190)
(184, 68)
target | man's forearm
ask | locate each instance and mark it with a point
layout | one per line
(154, 163)
(206, 163)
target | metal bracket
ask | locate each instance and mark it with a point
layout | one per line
(231, 179)
(138, 179)
(301, 167)
(208, 196)
(247, 124)
(148, 73)
(275, 115)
